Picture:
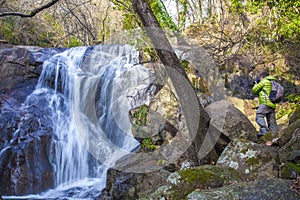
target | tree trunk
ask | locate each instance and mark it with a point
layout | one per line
(196, 117)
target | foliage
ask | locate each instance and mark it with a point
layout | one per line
(294, 102)
(67, 23)
(74, 42)
(147, 145)
(131, 20)
(16, 31)
(280, 19)
(162, 15)
(185, 64)
(183, 14)
(7, 32)
(150, 53)
(141, 115)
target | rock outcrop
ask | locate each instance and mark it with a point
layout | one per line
(262, 189)
(227, 123)
(26, 132)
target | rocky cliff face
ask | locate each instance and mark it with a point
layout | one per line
(26, 132)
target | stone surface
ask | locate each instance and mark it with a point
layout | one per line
(20, 67)
(123, 185)
(227, 123)
(25, 131)
(250, 159)
(289, 156)
(25, 140)
(263, 189)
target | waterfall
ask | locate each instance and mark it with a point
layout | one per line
(89, 92)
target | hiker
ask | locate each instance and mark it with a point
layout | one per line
(266, 107)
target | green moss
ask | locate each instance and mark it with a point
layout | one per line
(285, 172)
(294, 167)
(267, 137)
(141, 115)
(185, 64)
(200, 175)
(288, 170)
(244, 151)
(252, 161)
(147, 145)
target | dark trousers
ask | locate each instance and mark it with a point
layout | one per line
(267, 112)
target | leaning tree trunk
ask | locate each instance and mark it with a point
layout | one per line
(196, 117)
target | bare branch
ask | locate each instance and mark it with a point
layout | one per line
(32, 13)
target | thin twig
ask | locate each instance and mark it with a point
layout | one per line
(32, 13)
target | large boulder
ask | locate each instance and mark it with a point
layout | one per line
(20, 68)
(250, 159)
(287, 134)
(261, 189)
(227, 123)
(126, 185)
(247, 107)
(166, 185)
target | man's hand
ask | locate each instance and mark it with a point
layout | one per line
(256, 81)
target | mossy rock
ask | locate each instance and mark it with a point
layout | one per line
(249, 159)
(289, 156)
(295, 116)
(260, 189)
(290, 170)
(267, 137)
(202, 177)
(287, 133)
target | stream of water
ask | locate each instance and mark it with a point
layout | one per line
(90, 91)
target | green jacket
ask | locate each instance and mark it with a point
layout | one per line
(263, 89)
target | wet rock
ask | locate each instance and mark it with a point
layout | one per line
(17, 77)
(26, 168)
(26, 131)
(25, 148)
(20, 67)
(126, 185)
(43, 54)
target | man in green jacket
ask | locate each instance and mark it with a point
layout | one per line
(266, 108)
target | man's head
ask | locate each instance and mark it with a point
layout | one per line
(263, 74)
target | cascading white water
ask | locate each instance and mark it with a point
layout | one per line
(90, 91)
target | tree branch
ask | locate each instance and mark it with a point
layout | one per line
(32, 13)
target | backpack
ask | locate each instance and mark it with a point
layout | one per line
(277, 92)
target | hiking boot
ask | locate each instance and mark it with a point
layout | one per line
(275, 141)
(269, 143)
(259, 136)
